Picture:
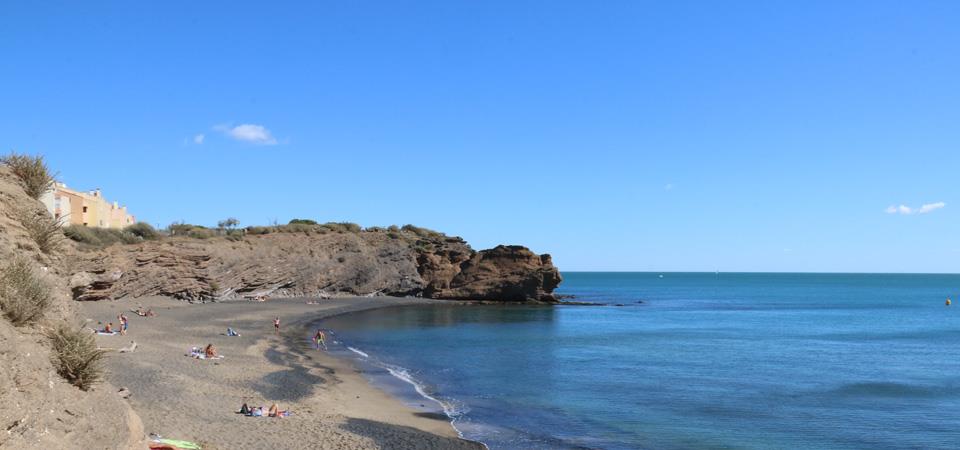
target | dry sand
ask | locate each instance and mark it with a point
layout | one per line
(179, 397)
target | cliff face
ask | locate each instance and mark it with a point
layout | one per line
(504, 272)
(40, 409)
(314, 264)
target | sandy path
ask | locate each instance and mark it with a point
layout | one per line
(184, 398)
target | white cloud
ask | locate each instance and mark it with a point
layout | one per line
(254, 134)
(906, 210)
(198, 139)
(931, 207)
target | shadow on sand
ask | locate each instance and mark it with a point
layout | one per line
(397, 436)
(299, 379)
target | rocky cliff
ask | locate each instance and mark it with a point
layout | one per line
(39, 408)
(314, 262)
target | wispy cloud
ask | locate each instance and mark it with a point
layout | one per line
(254, 134)
(923, 209)
(668, 187)
(198, 139)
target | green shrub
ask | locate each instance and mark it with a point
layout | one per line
(297, 228)
(24, 296)
(190, 230)
(423, 245)
(32, 172)
(303, 222)
(82, 234)
(43, 229)
(101, 237)
(144, 231)
(393, 235)
(202, 233)
(260, 230)
(76, 356)
(393, 228)
(342, 227)
(422, 232)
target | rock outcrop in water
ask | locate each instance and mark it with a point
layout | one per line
(315, 262)
(504, 272)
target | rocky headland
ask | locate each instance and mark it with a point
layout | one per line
(314, 261)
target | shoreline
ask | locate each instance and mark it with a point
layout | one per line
(334, 404)
(391, 379)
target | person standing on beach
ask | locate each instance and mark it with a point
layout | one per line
(123, 323)
(320, 339)
(276, 325)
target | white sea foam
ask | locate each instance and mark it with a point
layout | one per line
(400, 373)
(449, 409)
(358, 352)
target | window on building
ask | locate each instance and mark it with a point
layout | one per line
(84, 209)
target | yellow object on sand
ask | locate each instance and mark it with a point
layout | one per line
(948, 302)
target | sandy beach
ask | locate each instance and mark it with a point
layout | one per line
(180, 397)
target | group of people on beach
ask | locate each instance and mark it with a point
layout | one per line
(144, 313)
(210, 351)
(108, 327)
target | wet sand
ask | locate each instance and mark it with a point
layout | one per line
(179, 397)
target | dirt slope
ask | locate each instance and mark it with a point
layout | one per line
(40, 409)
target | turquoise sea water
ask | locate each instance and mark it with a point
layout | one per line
(706, 361)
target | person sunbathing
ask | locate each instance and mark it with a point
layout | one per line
(274, 411)
(210, 351)
(108, 328)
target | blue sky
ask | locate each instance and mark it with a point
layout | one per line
(735, 136)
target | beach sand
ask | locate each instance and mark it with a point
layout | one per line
(179, 397)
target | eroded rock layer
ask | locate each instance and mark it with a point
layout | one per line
(315, 264)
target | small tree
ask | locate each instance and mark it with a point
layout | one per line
(229, 223)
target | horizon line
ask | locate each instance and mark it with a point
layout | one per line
(755, 272)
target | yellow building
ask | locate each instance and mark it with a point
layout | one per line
(89, 209)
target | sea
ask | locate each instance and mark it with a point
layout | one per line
(682, 361)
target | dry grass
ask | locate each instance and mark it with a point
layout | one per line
(32, 171)
(24, 296)
(43, 229)
(76, 356)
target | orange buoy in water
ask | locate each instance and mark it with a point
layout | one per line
(948, 302)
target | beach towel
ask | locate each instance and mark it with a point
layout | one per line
(175, 444)
(104, 333)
